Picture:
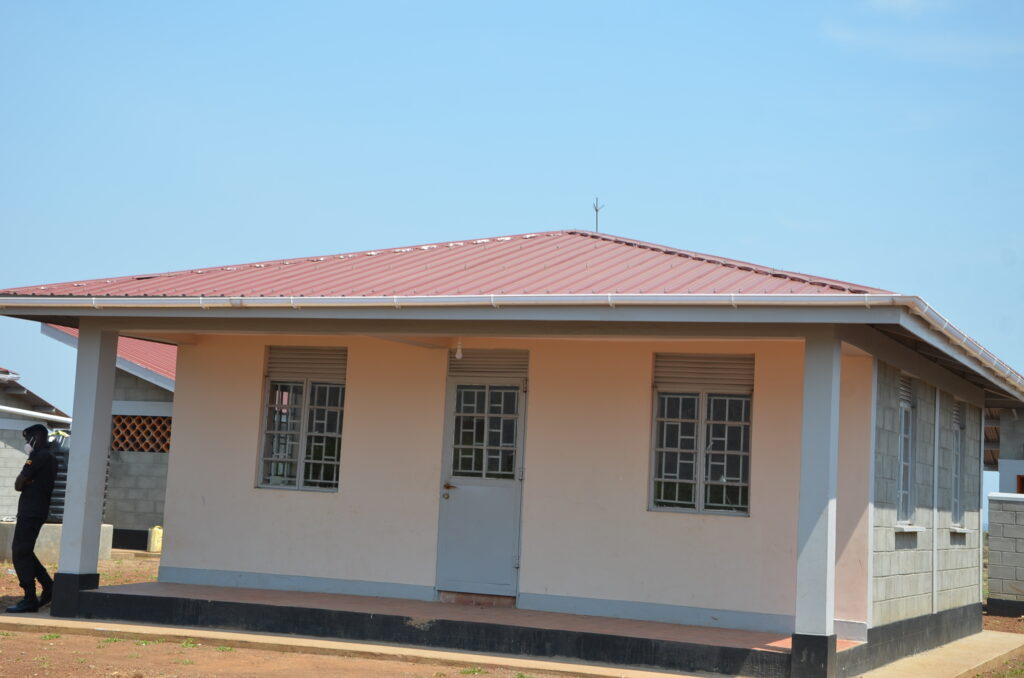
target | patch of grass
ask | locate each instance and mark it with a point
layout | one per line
(111, 640)
(523, 675)
(6, 634)
(475, 671)
(51, 636)
(184, 661)
(225, 648)
(189, 642)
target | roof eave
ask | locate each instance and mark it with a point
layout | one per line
(968, 351)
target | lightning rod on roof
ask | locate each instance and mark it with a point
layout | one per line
(597, 211)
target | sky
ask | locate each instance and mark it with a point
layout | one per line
(875, 141)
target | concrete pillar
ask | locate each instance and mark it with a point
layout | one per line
(90, 446)
(814, 640)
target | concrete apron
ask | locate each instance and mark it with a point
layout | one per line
(41, 622)
(964, 658)
(48, 543)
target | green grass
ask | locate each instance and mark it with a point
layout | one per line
(475, 671)
(225, 648)
(189, 642)
(51, 636)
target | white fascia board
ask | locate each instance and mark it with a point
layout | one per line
(932, 328)
(124, 364)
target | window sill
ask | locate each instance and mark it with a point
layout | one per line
(909, 528)
(956, 529)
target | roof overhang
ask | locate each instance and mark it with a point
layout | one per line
(899, 314)
(124, 364)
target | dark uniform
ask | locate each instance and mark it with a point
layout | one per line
(40, 473)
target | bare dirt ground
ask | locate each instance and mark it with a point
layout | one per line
(58, 654)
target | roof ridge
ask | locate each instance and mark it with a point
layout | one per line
(725, 261)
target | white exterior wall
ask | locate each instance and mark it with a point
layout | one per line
(381, 524)
(588, 541)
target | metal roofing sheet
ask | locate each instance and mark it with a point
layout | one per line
(151, 355)
(556, 262)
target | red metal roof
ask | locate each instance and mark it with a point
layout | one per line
(151, 355)
(556, 262)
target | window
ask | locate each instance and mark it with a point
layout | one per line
(701, 441)
(303, 415)
(957, 508)
(905, 470)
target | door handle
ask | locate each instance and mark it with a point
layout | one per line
(449, 486)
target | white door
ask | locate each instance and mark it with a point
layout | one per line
(478, 535)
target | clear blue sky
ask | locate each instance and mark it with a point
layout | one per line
(874, 141)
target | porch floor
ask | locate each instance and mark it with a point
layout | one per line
(548, 633)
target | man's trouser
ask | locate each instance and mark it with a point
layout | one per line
(26, 564)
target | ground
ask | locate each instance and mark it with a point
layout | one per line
(24, 653)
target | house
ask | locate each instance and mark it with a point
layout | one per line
(140, 435)
(572, 427)
(19, 409)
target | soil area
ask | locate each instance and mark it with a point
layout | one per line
(57, 655)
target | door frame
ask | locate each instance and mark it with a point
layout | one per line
(447, 454)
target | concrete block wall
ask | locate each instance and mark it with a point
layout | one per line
(129, 387)
(1006, 546)
(903, 560)
(136, 486)
(958, 557)
(12, 458)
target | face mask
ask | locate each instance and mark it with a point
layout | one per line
(28, 448)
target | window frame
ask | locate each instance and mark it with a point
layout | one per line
(956, 507)
(701, 452)
(907, 437)
(300, 461)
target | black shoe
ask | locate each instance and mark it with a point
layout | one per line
(25, 605)
(46, 596)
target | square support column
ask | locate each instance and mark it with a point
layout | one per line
(87, 468)
(814, 640)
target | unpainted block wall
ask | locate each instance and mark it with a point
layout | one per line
(136, 486)
(129, 387)
(12, 458)
(1006, 548)
(958, 552)
(903, 561)
(136, 481)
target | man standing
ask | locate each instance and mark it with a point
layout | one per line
(36, 486)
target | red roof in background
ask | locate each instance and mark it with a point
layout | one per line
(151, 355)
(556, 262)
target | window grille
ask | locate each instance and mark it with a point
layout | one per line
(486, 419)
(487, 411)
(702, 432)
(905, 470)
(957, 507)
(140, 434)
(303, 417)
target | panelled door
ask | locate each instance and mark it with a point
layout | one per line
(481, 480)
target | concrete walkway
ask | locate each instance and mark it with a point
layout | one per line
(964, 658)
(43, 623)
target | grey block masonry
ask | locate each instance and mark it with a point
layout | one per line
(1006, 546)
(903, 561)
(129, 387)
